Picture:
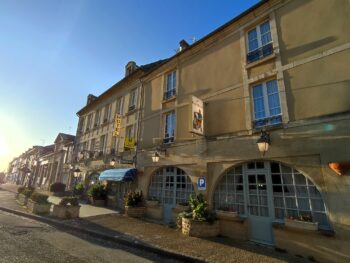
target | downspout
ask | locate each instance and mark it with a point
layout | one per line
(139, 123)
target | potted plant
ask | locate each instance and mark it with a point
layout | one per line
(134, 204)
(97, 194)
(38, 203)
(199, 221)
(303, 222)
(226, 213)
(23, 195)
(67, 208)
(58, 189)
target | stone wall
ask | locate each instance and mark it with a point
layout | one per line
(199, 229)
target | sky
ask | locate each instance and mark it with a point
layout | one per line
(53, 53)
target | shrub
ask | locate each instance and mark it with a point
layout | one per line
(39, 198)
(97, 192)
(20, 189)
(133, 199)
(27, 192)
(79, 188)
(69, 200)
(57, 187)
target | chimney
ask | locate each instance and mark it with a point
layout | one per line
(130, 68)
(183, 45)
(90, 98)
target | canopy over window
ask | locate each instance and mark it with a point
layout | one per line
(119, 175)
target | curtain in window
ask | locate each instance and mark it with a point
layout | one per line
(273, 98)
(259, 108)
(253, 43)
(265, 33)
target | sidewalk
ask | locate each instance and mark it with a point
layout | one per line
(217, 249)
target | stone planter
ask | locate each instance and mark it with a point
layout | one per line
(37, 208)
(66, 211)
(302, 225)
(152, 203)
(226, 215)
(199, 228)
(97, 202)
(22, 199)
(138, 211)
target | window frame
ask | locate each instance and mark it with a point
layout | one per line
(119, 106)
(132, 99)
(107, 113)
(170, 92)
(169, 139)
(259, 35)
(97, 118)
(265, 97)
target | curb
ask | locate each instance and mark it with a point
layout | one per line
(117, 239)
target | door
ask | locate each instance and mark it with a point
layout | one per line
(259, 206)
(169, 191)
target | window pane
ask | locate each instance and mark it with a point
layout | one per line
(259, 108)
(273, 97)
(299, 179)
(275, 168)
(253, 40)
(265, 33)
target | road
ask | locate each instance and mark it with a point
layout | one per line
(25, 240)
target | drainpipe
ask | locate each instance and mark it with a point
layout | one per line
(139, 123)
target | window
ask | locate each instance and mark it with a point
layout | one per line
(259, 42)
(129, 142)
(267, 110)
(132, 100)
(119, 106)
(170, 87)
(88, 124)
(81, 125)
(97, 118)
(92, 145)
(107, 113)
(169, 131)
(103, 141)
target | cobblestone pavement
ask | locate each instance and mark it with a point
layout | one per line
(218, 249)
(24, 240)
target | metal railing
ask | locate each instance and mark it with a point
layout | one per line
(260, 53)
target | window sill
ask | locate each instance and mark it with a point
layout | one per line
(268, 128)
(260, 61)
(169, 99)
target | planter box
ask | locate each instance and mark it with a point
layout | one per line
(22, 199)
(37, 208)
(199, 228)
(138, 211)
(302, 225)
(226, 215)
(98, 202)
(152, 203)
(66, 211)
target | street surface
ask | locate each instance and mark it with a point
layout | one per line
(28, 241)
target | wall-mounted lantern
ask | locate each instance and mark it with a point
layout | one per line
(340, 167)
(155, 157)
(263, 142)
(112, 162)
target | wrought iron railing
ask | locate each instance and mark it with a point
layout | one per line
(260, 53)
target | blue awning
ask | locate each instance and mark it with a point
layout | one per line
(118, 175)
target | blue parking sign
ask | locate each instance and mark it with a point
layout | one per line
(201, 183)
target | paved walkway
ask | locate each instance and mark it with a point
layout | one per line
(218, 249)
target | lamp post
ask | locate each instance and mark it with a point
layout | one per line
(76, 174)
(263, 142)
(112, 162)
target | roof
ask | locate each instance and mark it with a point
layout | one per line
(143, 68)
(65, 137)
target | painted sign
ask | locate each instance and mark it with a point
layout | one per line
(117, 125)
(129, 143)
(197, 119)
(201, 183)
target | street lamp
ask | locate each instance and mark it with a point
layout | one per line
(263, 142)
(155, 157)
(76, 174)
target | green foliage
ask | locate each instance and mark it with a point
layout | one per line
(79, 188)
(27, 192)
(57, 187)
(20, 189)
(133, 199)
(39, 198)
(97, 192)
(198, 210)
(304, 218)
(69, 200)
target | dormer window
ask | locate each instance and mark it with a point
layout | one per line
(130, 68)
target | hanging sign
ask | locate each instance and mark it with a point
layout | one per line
(129, 143)
(117, 125)
(197, 119)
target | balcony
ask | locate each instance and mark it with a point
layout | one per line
(169, 94)
(260, 53)
(269, 121)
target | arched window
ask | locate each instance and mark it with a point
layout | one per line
(292, 194)
(170, 185)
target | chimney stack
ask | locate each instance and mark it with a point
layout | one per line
(90, 98)
(183, 45)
